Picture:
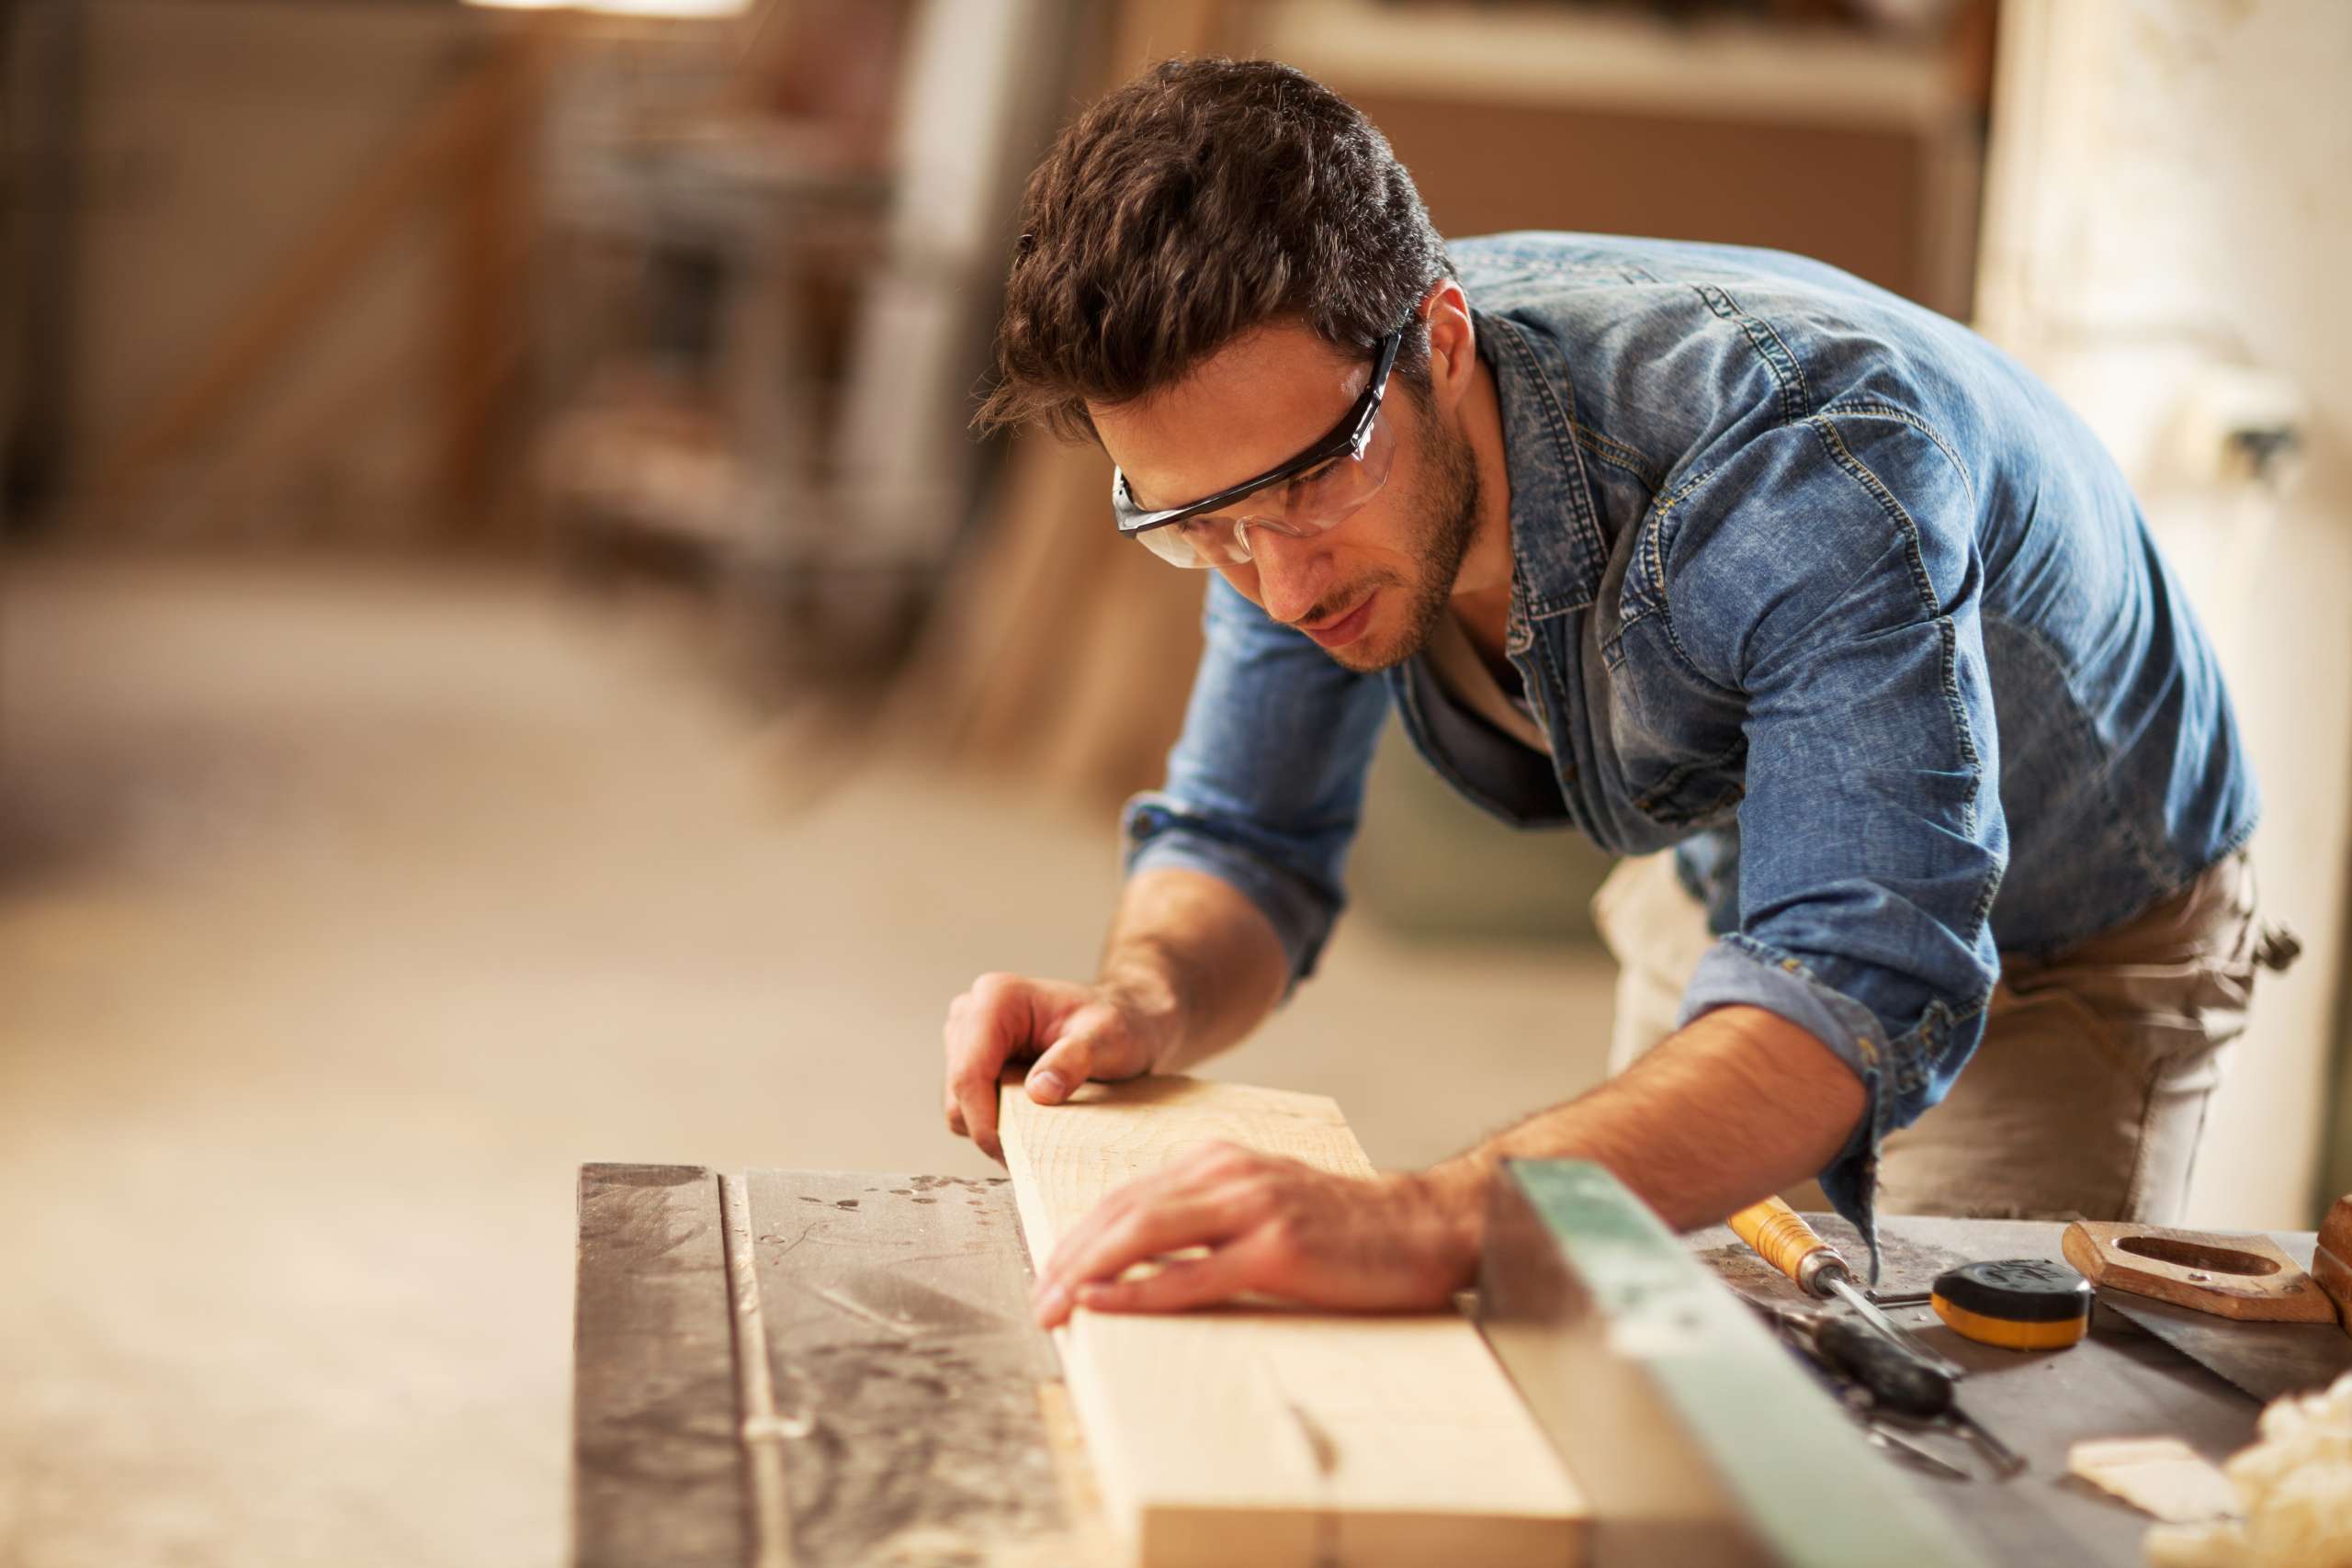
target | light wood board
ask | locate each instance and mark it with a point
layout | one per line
(1279, 1436)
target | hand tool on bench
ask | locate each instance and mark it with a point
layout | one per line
(1899, 1385)
(1801, 1330)
(1782, 1238)
(2241, 1277)
(2238, 1305)
(2016, 1304)
(1884, 1436)
(1695, 1437)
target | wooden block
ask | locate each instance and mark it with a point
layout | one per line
(1277, 1437)
(2332, 1259)
(2242, 1277)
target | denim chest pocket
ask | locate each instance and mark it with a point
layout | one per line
(1681, 752)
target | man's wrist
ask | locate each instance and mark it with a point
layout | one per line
(1453, 1195)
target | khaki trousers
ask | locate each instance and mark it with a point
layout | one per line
(2087, 1097)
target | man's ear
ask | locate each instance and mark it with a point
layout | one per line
(1453, 342)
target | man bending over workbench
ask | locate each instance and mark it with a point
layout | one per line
(1811, 598)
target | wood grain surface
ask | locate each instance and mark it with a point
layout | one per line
(1276, 1437)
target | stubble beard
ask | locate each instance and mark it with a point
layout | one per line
(1446, 521)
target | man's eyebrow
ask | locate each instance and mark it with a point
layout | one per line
(1295, 453)
(1143, 505)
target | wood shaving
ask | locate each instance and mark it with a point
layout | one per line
(2294, 1493)
(2161, 1476)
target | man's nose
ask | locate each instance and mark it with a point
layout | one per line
(1291, 574)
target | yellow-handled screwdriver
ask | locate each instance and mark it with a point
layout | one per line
(1782, 1238)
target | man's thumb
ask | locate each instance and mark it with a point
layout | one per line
(1060, 1070)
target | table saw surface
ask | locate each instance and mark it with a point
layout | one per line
(903, 1408)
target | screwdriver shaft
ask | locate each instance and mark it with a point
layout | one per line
(1913, 1453)
(2005, 1460)
(1851, 1294)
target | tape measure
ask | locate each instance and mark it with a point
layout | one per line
(2019, 1303)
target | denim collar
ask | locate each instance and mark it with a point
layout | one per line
(1558, 551)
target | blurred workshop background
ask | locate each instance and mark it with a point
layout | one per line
(509, 654)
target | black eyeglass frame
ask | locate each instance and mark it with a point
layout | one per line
(1348, 439)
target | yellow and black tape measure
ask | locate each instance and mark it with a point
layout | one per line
(2019, 1303)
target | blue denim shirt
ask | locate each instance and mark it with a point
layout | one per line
(1810, 582)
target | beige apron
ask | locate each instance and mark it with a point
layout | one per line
(2087, 1097)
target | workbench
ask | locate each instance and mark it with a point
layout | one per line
(899, 1407)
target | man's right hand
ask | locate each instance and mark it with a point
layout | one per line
(1075, 1033)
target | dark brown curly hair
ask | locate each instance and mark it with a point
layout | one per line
(1203, 199)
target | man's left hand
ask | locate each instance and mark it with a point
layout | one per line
(1272, 1227)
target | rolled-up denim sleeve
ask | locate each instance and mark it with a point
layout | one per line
(1829, 573)
(1265, 786)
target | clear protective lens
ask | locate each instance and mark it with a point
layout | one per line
(1213, 539)
(1300, 507)
(1308, 503)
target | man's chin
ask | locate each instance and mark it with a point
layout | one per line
(1381, 648)
(1356, 661)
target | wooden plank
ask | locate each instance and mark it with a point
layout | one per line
(906, 1372)
(656, 1467)
(1279, 1436)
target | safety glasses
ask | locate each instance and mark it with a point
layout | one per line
(1305, 496)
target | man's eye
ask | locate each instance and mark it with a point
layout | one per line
(1305, 486)
(1200, 525)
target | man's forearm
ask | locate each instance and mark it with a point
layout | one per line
(1197, 961)
(1726, 1112)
